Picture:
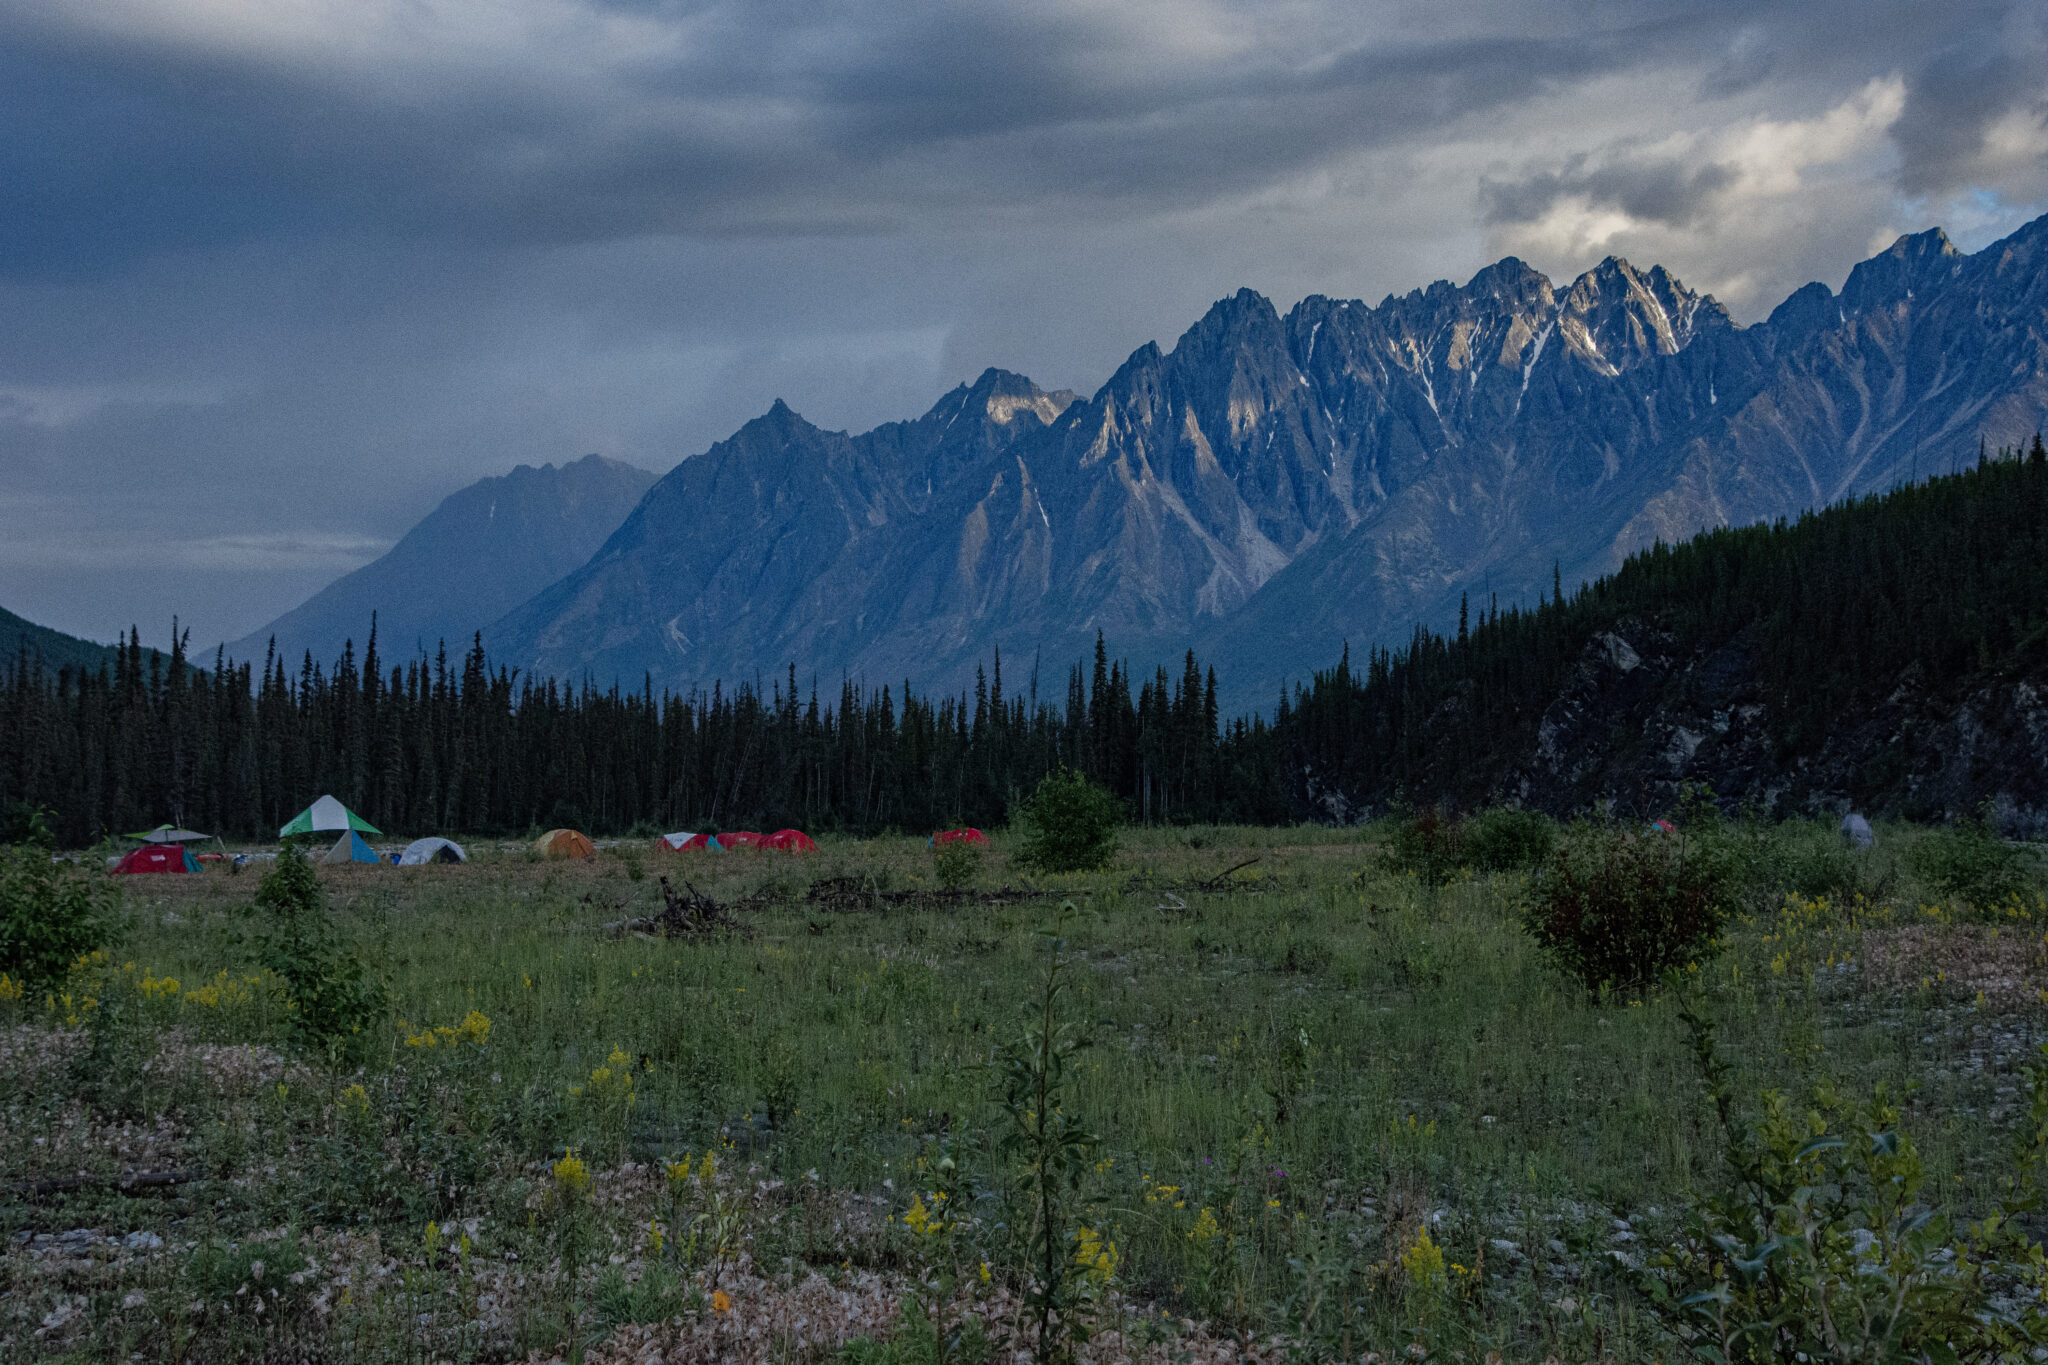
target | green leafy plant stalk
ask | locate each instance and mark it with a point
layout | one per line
(1050, 1148)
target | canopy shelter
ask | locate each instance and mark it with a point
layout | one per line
(171, 834)
(743, 838)
(325, 815)
(791, 841)
(156, 858)
(350, 848)
(958, 836)
(688, 843)
(435, 850)
(565, 843)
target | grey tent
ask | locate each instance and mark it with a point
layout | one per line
(435, 850)
(1856, 830)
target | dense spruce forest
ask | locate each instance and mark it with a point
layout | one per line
(432, 744)
(1944, 582)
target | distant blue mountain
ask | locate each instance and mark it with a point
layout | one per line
(481, 552)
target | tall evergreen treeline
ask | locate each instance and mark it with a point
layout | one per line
(1948, 578)
(435, 744)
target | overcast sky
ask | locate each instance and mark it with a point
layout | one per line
(278, 275)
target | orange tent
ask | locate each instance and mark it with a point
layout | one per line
(564, 843)
(791, 841)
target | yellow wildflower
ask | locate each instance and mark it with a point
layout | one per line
(572, 1177)
(1424, 1262)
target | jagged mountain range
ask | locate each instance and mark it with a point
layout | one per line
(1275, 485)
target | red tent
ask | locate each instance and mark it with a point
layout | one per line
(791, 841)
(688, 843)
(743, 838)
(959, 836)
(156, 858)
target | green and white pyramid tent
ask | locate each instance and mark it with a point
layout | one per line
(326, 815)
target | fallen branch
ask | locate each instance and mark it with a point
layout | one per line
(138, 1180)
(1215, 883)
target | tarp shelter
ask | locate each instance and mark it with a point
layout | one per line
(791, 841)
(350, 848)
(1856, 830)
(688, 843)
(171, 834)
(743, 838)
(958, 836)
(564, 843)
(324, 815)
(436, 850)
(156, 858)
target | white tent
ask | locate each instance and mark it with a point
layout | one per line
(435, 850)
(1856, 830)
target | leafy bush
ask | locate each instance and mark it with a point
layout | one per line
(1619, 910)
(332, 999)
(1508, 839)
(956, 864)
(1070, 824)
(1969, 862)
(1430, 845)
(1819, 1247)
(51, 913)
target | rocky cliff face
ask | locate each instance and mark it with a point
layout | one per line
(1275, 485)
(481, 552)
(1638, 717)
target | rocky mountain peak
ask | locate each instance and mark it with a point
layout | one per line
(1810, 308)
(1919, 263)
(1615, 317)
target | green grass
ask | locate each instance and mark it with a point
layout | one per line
(1296, 1068)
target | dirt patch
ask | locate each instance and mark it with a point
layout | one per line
(2007, 969)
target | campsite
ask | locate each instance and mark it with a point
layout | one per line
(1329, 1096)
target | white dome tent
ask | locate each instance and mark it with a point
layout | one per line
(420, 852)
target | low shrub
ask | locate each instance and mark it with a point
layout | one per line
(51, 912)
(1430, 845)
(1968, 862)
(1070, 824)
(1508, 839)
(333, 1000)
(956, 864)
(1618, 910)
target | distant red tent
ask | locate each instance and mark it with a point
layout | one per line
(156, 858)
(743, 838)
(791, 841)
(958, 836)
(688, 843)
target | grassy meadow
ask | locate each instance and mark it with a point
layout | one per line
(1336, 1111)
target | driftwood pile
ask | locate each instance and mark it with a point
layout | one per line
(694, 915)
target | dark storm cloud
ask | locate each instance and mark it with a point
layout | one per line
(758, 118)
(1955, 100)
(279, 274)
